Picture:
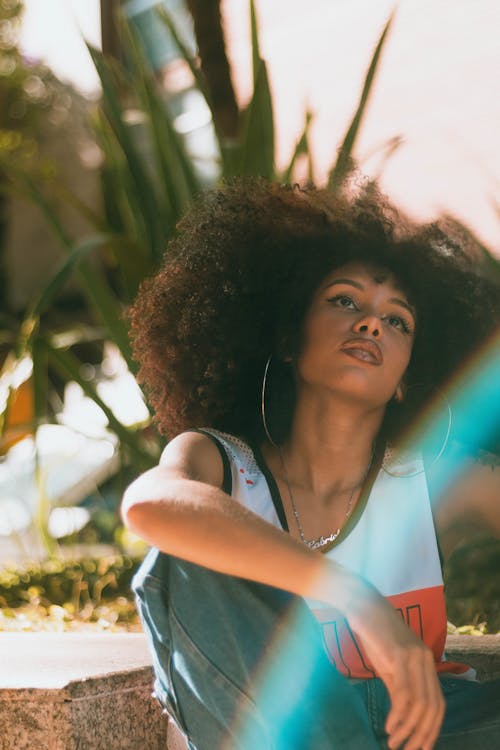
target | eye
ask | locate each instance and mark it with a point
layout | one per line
(400, 323)
(343, 300)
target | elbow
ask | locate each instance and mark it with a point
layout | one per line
(132, 512)
(148, 519)
(156, 508)
(149, 503)
(139, 501)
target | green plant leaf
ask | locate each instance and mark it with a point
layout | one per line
(344, 162)
(257, 157)
(167, 20)
(107, 309)
(122, 209)
(77, 334)
(254, 35)
(132, 263)
(68, 196)
(101, 298)
(65, 270)
(386, 150)
(257, 145)
(178, 182)
(69, 368)
(42, 510)
(301, 149)
(144, 188)
(228, 148)
(40, 383)
(30, 189)
(103, 301)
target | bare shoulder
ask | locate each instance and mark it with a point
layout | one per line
(193, 455)
(465, 488)
(189, 457)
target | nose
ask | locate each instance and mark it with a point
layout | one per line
(369, 324)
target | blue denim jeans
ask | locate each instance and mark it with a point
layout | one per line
(241, 666)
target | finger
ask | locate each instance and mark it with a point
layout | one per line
(400, 695)
(430, 726)
(418, 708)
(428, 723)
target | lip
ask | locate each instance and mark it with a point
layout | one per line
(363, 350)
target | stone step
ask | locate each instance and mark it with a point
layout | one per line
(481, 652)
(69, 691)
(86, 691)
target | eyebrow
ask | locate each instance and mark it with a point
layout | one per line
(393, 300)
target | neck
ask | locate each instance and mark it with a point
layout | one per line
(330, 444)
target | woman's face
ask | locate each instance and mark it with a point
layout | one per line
(357, 336)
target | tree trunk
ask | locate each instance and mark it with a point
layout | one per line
(215, 65)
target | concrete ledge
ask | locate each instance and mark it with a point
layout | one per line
(69, 691)
(481, 652)
(73, 691)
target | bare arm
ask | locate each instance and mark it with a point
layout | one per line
(180, 508)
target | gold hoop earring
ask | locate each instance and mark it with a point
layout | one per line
(390, 454)
(263, 401)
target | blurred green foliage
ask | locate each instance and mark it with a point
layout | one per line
(69, 595)
(32, 102)
(473, 584)
(56, 581)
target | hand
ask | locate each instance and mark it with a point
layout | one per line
(405, 665)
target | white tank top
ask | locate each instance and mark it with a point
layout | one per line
(393, 545)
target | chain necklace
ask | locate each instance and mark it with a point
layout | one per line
(316, 544)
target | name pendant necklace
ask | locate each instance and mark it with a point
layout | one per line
(321, 541)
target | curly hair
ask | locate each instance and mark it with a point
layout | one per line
(238, 279)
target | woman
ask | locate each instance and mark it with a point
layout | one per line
(287, 345)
